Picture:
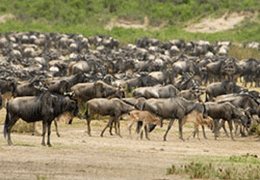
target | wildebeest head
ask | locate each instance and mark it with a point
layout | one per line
(105, 90)
(140, 103)
(40, 86)
(69, 104)
(245, 117)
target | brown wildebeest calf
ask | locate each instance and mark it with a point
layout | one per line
(146, 117)
(197, 120)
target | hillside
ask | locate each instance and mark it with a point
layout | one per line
(128, 20)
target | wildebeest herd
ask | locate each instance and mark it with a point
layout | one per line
(43, 75)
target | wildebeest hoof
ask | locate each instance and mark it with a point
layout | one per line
(88, 133)
(49, 145)
(10, 143)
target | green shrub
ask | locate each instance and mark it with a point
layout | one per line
(212, 171)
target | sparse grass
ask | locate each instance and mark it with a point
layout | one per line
(243, 52)
(234, 168)
(255, 129)
(41, 177)
(20, 143)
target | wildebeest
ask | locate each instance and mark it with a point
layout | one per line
(158, 91)
(173, 108)
(227, 112)
(59, 86)
(142, 81)
(81, 67)
(99, 89)
(191, 94)
(220, 88)
(44, 107)
(29, 88)
(7, 89)
(113, 107)
(243, 100)
(7, 86)
(146, 117)
(197, 120)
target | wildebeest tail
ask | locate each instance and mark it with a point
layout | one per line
(138, 126)
(151, 127)
(6, 121)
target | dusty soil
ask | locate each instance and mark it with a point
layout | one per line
(225, 22)
(5, 17)
(75, 155)
(206, 25)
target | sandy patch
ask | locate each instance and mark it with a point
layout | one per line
(5, 17)
(128, 24)
(226, 22)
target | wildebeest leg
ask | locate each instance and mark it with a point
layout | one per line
(146, 127)
(197, 132)
(180, 129)
(216, 128)
(193, 133)
(224, 127)
(168, 128)
(242, 131)
(111, 128)
(203, 130)
(141, 132)
(130, 126)
(236, 127)
(117, 121)
(44, 124)
(108, 125)
(9, 127)
(49, 133)
(56, 127)
(88, 126)
(230, 128)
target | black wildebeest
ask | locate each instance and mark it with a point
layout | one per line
(220, 88)
(227, 112)
(45, 107)
(245, 101)
(173, 108)
(98, 89)
(113, 107)
(158, 91)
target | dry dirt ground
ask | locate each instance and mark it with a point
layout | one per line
(75, 155)
(206, 25)
(223, 23)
